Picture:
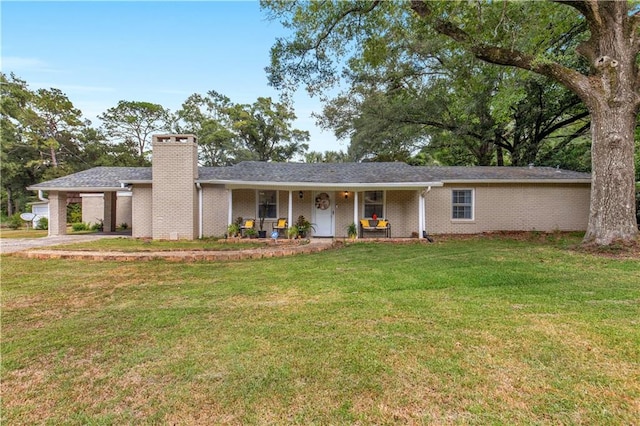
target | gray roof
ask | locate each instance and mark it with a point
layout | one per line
(348, 173)
(98, 178)
(308, 174)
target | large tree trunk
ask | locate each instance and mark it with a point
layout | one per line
(611, 93)
(612, 213)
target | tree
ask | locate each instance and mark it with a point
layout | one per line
(326, 157)
(264, 129)
(49, 120)
(517, 34)
(14, 97)
(202, 116)
(39, 138)
(135, 122)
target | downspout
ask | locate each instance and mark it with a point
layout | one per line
(41, 196)
(200, 224)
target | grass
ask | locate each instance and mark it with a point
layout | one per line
(144, 245)
(23, 233)
(462, 332)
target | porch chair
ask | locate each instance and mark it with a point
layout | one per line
(281, 225)
(384, 225)
(373, 225)
(247, 224)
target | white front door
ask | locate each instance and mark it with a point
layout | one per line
(323, 214)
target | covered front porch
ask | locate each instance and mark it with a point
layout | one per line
(330, 209)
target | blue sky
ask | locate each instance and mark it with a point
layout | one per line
(99, 53)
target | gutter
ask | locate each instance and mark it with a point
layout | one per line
(338, 186)
(477, 181)
(77, 189)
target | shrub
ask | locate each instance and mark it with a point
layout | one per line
(43, 223)
(124, 225)
(74, 213)
(79, 226)
(15, 222)
(98, 226)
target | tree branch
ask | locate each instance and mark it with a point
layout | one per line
(571, 78)
(322, 37)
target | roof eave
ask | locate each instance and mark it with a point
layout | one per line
(340, 186)
(476, 181)
(77, 188)
(136, 182)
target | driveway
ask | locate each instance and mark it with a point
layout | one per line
(12, 245)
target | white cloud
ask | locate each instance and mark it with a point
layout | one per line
(18, 64)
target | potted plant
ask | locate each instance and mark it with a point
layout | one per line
(292, 232)
(352, 231)
(304, 226)
(251, 233)
(233, 230)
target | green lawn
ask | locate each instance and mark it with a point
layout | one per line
(460, 332)
(130, 245)
(23, 233)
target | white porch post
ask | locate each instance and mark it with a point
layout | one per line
(290, 209)
(421, 213)
(230, 211)
(355, 209)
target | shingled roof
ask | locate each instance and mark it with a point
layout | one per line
(320, 174)
(96, 179)
(365, 173)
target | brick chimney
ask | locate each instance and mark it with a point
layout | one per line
(175, 198)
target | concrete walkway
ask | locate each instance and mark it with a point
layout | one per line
(24, 248)
(13, 245)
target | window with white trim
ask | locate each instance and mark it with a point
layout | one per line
(462, 204)
(267, 204)
(374, 203)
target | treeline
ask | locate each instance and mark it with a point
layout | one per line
(45, 136)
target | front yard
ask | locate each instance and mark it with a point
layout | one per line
(479, 331)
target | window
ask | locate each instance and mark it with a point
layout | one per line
(462, 204)
(268, 204)
(374, 203)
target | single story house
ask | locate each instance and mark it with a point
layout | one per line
(176, 199)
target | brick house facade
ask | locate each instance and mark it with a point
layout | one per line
(176, 199)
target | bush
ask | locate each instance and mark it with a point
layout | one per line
(79, 226)
(15, 222)
(74, 213)
(43, 223)
(98, 226)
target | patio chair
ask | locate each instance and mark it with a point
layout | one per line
(384, 225)
(247, 224)
(280, 225)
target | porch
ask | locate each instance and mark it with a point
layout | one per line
(330, 210)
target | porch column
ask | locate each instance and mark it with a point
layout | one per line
(230, 207)
(109, 213)
(356, 219)
(57, 213)
(421, 213)
(290, 209)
